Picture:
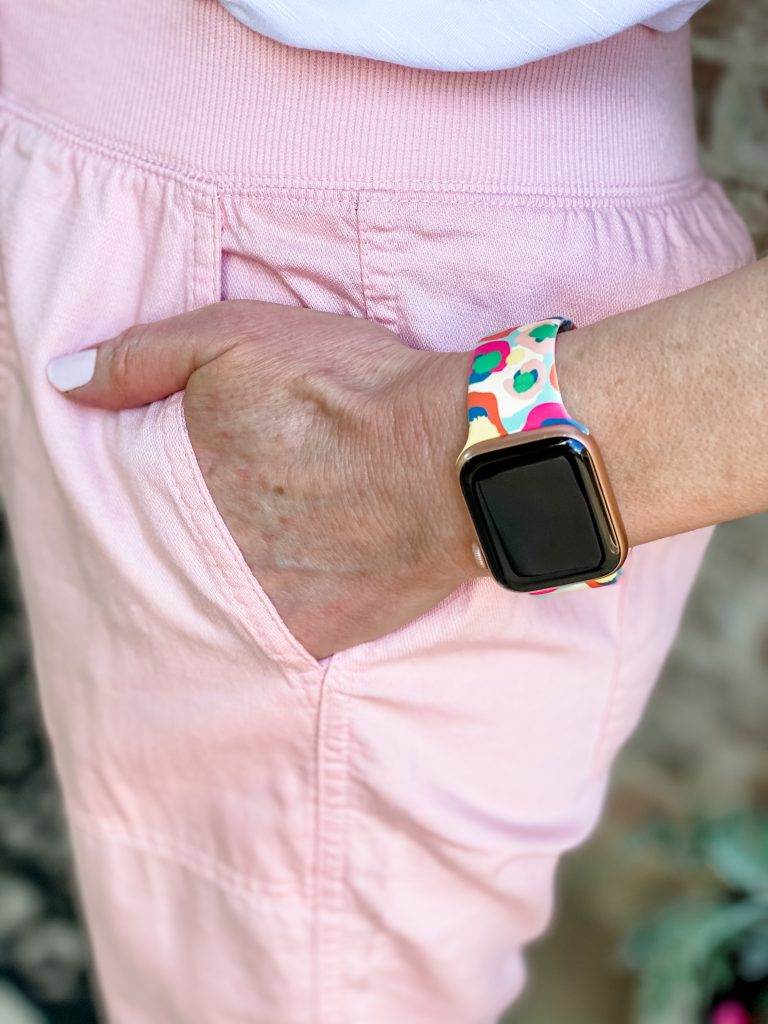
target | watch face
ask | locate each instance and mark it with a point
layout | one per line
(540, 512)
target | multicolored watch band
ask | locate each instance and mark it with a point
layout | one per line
(513, 387)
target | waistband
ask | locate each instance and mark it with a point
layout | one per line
(184, 85)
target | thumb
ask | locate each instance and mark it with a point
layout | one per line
(145, 362)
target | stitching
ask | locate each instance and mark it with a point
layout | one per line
(381, 301)
(219, 226)
(195, 180)
(191, 274)
(471, 192)
(329, 911)
(317, 838)
(671, 195)
(82, 141)
(226, 878)
(204, 287)
(360, 261)
(475, 193)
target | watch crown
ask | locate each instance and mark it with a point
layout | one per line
(479, 556)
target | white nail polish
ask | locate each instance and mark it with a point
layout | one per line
(72, 371)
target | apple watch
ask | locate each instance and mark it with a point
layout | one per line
(532, 477)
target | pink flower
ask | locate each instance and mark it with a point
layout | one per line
(730, 1012)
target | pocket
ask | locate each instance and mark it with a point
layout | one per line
(217, 548)
(514, 259)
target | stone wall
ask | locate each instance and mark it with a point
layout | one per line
(731, 77)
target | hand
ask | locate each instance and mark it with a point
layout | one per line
(327, 445)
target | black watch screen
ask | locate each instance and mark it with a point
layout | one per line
(540, 514)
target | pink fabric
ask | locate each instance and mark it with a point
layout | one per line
(260, 837)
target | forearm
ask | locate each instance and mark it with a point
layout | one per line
(676, 394)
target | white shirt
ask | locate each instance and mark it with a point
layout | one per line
(454, 35)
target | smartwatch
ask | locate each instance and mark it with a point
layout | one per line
(532, 477)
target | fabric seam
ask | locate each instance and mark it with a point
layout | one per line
(360, 260)
(663, 194)
(332, 850)
(204, 867)
(381, 301)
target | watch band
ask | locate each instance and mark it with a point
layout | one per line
(513, 387)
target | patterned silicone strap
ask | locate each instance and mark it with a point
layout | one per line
(513, 387)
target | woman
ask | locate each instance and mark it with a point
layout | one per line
(316, 765)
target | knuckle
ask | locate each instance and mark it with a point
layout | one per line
(125, 359)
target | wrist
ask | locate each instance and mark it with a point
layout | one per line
(532, 475)
(592, 370)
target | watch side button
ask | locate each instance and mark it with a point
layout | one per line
(479, 557)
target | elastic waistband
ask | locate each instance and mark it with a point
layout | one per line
(184, 85)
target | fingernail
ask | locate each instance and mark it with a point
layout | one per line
(72, 371)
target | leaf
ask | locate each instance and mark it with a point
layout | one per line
(753, 957)
(737, 852)
(687, 949)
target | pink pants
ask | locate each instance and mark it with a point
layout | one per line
(260, 837)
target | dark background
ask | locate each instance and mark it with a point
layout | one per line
(702, 749)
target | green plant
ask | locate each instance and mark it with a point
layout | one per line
(710, 940)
